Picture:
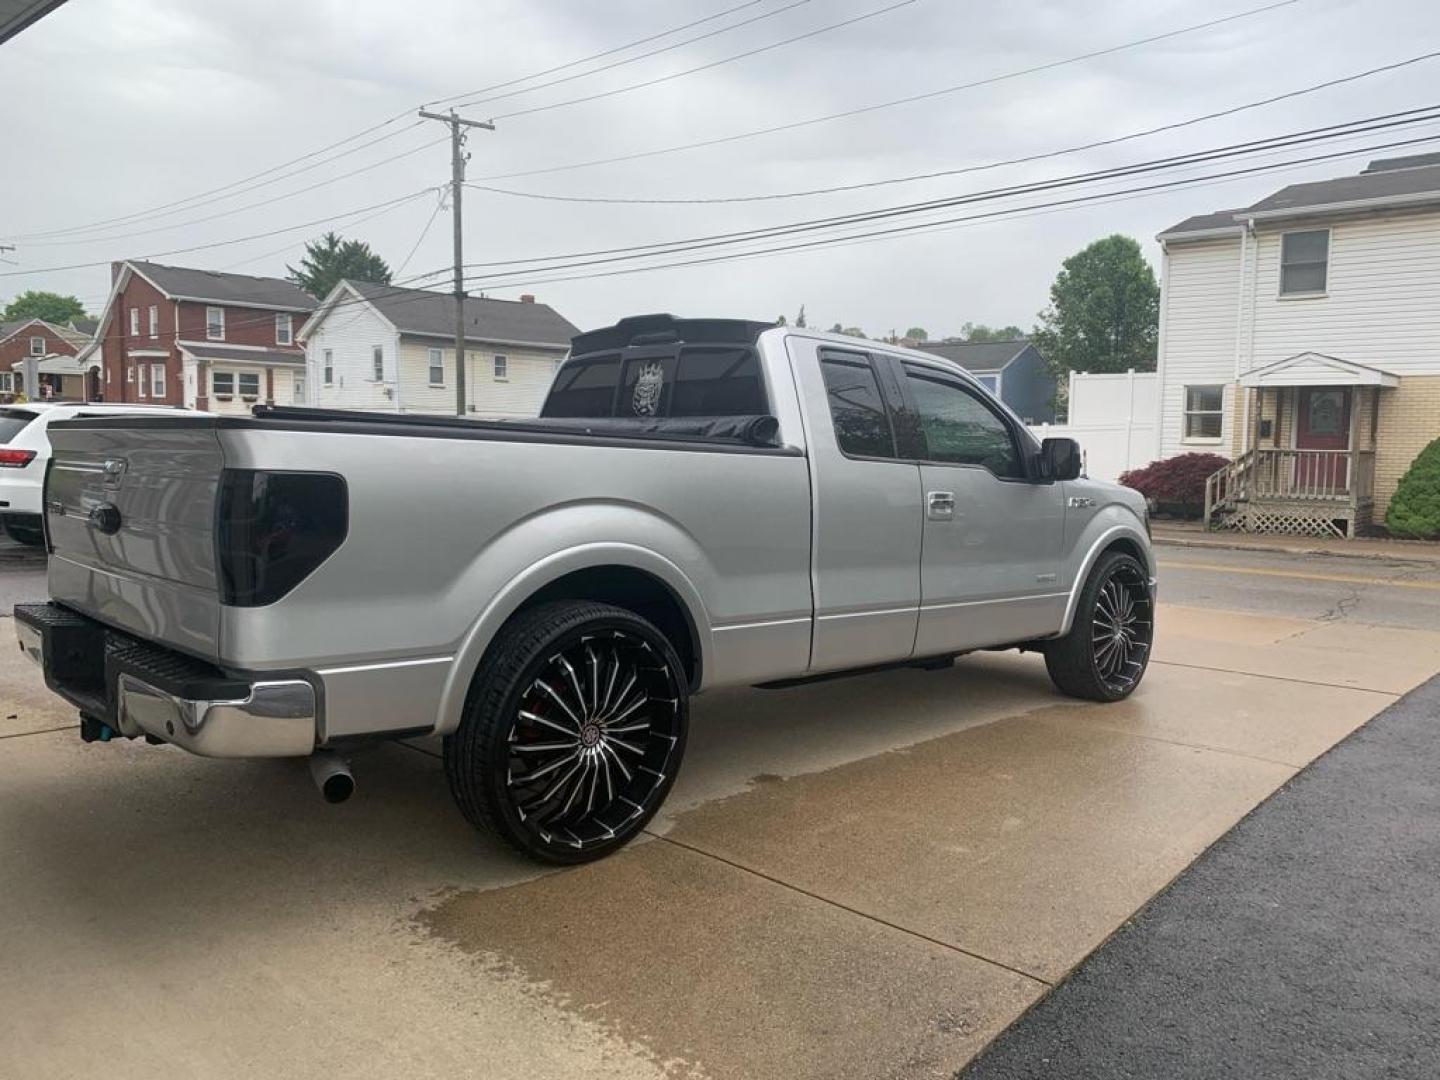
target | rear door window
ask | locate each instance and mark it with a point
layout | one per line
(862, 424)
(584, 388)
(647, 387)
(14, 421)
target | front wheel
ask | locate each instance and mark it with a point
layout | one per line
(572, 733)
(1104, 656)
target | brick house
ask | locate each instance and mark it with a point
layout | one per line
(38, 359)
(1300, 336)
(201, 339)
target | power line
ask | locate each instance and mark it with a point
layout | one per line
(439, 202)
(595, 56)
(896, 231)
(989, 81)
(227, 243)
(913, 177)
(235, 210)
(481, 100)
(726, 60)
(165, 210)
(1280, 142)
(238, 187)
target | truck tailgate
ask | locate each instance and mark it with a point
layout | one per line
(130, 510)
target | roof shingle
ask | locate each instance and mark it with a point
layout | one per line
(224, 288)
(978, 355)
(432, 314)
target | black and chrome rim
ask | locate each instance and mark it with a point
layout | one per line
(592, 745)
(1122, 625)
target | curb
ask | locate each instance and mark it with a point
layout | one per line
(1230, 545)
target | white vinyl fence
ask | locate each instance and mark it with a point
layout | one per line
(1113, 419)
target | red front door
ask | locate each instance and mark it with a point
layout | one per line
(1322, 422)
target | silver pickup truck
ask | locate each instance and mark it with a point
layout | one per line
(702, 503)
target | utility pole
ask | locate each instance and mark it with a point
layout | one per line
(458, 124)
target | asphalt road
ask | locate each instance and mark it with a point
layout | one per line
(1303, 944)
(1382, 592)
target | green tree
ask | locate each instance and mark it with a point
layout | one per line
(800, 318)
(1414, 510)
(837, 329)
(780, 320)
(1104, 312)
(52, 307)
(979, 332)
(853, 331)
(917, 333)
(331, 259)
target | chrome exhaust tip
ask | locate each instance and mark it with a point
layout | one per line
(332, 776)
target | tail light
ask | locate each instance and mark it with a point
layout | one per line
(15, 459)
(274, 529)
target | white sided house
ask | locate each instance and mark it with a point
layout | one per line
(1300, 337)
(389, 349)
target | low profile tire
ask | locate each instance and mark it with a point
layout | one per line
(1104, 656)
(23, 532)
(573, 731)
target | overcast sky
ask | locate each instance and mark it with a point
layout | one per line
(112, 108)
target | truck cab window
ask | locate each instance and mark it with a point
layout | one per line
(959, 428)
(584, 388)
(718, 382)
(862, 426)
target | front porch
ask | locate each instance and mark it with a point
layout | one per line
(1307, 466)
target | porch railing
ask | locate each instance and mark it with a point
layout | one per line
(1346, 477)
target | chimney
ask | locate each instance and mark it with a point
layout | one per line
(527, 298)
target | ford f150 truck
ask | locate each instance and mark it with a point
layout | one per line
(702, 503)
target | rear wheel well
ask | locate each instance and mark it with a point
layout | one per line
(637, 591)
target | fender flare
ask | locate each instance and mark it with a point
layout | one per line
(1099, 544)
(541, 573)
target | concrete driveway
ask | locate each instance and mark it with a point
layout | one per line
(870, 877)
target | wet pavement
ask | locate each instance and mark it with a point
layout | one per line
(870, 877)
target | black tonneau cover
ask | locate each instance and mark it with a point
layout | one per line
(759, 432)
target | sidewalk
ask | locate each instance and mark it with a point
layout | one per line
(1303, 944)
(1192, 534)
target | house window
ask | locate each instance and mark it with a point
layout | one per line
(437, 367)
(130, 375)
(1204, 411)
(154, 321)
(222, 384)
(501, 367)
(249, 385)
(329, 372)
(989, 382)
(157, 380)
(215, 323)
(37, 346)
(377, 362)
(134, 322)
(140, 383)
(1304, 261)
(7, 382)
(283, 330)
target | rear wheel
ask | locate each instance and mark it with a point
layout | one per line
(573, 731)
(1104, 656)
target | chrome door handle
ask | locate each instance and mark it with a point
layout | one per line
(940, 505)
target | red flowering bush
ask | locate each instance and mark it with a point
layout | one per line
(1176, 485)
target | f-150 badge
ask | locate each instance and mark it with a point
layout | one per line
(647, 389)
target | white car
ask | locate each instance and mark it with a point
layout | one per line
(25, 451)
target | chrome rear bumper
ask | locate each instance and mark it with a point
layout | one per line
(140, 689)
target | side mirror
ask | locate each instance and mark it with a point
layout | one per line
(1059, 459)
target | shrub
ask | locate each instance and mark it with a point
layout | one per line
(1176, 484)
(1414, 510)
